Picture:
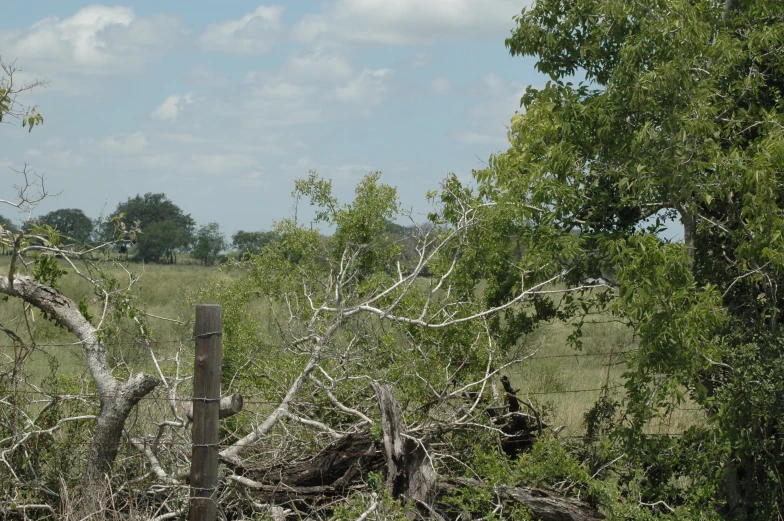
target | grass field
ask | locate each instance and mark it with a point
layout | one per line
(562, 380)
(162, 290)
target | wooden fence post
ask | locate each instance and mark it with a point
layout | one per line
(206, 408)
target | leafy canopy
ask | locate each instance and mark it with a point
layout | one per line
(679, 117)
(165, 228)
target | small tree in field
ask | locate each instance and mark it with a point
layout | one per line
(165, 228)
(71, 223)
(246, 243)
(209, 243)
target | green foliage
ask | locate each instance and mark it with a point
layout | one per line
(664, 128)
(30, 116)
(209, 242)
(548, 463)
(47, 270)
(31, 119)
(359, 224)
(165, 229)
(248, 243)
(289, 302)
(71, 223)
(384, 507)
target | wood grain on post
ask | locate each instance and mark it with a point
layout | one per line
(206, 410)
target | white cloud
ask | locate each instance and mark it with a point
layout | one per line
(408, 22)
(206, 78)
(221, 164)
(310, 88)
(254, 33)
(367, 88)
(171, 107)
(422, 60)
(474, 138)
(97, 40)
(124, 144)
(487, 120)
(67, 159)
(440, 86)
(501, 99)
(318, 66)
(346, 173)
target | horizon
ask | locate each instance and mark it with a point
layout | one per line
(221, 107)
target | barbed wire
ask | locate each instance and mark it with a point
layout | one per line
(152, 343)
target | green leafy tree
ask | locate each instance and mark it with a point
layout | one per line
(247, 243)
(7, 224)
(71, 223)
(165, 228)
(312, 320)
(678, 117)
(209, 242)
(7, 228)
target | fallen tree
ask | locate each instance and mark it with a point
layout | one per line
(342, 468)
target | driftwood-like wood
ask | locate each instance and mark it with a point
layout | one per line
(393, 440)
(339, 469)
(337, 466)
(229, 406)
(409, 474)
(544, 504)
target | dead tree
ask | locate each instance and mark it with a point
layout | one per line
(519, 429)
(117, 396)
(409, 475)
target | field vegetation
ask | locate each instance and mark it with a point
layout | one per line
(536, 350)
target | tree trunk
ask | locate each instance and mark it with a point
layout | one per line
(117, 397)
(689, 221)
(544, 504)
(409, 473)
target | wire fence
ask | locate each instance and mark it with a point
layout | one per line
(603, 362)
(614, 358)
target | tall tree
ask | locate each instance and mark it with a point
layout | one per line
(680, 116)
(6, 227)
(250, 242)
(208, 244)
(165, 228)
(71, 222)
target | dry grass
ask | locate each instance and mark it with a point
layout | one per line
(567, 382)
(163, 290)
(564, 381)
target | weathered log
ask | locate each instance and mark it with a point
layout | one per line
(336, 466)
(409, 475)
(338, 470)
(516, 425)
(544, 504)
(229, 406)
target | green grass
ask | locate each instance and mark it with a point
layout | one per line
(564, 381)
(162, 290)
(571, 379)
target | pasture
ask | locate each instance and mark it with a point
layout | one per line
(560, 380)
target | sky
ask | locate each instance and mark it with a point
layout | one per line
(222, 105)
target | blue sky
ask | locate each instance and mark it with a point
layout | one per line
(221, 105)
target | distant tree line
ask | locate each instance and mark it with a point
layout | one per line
(164, 230)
